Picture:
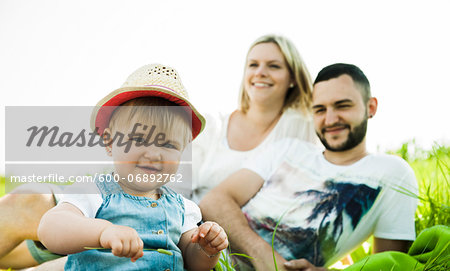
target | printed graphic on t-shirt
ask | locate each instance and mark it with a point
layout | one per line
(317, 213)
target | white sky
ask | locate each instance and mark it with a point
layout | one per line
(56, 52)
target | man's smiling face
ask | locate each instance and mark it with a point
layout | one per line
(340, 115)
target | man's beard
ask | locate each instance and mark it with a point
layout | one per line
(355, 137)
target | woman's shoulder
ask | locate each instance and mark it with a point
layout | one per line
(296, 114)
(294, 123)
(295, 145)
(215, 124)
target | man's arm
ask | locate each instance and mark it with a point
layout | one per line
(380, 245)
(223, 205)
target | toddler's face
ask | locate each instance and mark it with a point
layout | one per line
(143, 157)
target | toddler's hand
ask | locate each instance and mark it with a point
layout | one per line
(123, 241)
(211, 237)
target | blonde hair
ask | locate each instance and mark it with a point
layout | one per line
(299, 97)
(167, 117)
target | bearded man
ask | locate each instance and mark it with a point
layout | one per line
(326, 202)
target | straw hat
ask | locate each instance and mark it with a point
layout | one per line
(154, 80)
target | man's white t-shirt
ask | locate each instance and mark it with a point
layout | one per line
(328, 209)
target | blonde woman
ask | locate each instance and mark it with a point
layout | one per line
(274, 102)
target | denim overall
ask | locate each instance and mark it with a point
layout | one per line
(158, 223)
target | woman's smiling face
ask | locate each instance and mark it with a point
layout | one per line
(267, 77)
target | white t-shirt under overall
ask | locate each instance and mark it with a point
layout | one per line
(331, 209)
(88, 199)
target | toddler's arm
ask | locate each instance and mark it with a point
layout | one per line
(65, 230)
(201, 246)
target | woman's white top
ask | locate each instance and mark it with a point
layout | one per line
(213, 160)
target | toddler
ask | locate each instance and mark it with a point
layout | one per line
(145, 126)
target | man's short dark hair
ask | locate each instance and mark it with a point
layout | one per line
(338, 69)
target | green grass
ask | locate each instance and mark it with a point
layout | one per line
(432, 173)
(2, 186)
